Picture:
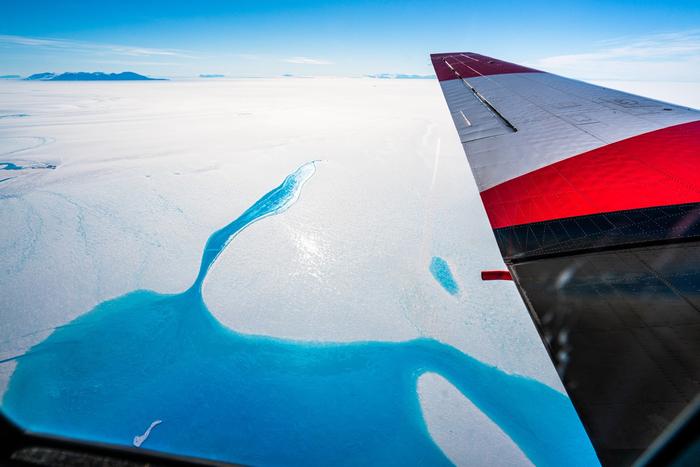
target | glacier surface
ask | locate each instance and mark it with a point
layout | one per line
(141, 174)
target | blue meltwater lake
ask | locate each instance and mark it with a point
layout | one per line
(163, 362)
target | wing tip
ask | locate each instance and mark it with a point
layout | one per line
(457, 65)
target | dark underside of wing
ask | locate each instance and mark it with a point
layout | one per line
(623, 328)
(594, 198)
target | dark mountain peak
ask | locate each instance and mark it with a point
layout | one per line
(41, 76)
(90, 76)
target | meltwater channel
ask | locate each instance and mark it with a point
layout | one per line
(147, 357)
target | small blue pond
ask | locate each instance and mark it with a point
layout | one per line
(442, 273)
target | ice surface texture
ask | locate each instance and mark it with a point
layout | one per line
(259, 400)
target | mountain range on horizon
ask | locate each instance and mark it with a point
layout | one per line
(90, 76)
(399, 76)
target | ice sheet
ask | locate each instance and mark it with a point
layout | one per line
(144, 172)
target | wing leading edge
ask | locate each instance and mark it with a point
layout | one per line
(594, 198)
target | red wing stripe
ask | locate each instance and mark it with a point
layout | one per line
(496, 276)
(658, 168)
(458, 65)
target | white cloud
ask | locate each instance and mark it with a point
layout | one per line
(32, 41)
(136, 63)
(250, 56)
(307, 61)
(658, 57)
(79, 46)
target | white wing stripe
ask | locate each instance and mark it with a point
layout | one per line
(556, 118)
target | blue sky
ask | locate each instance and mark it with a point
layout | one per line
(655, 40)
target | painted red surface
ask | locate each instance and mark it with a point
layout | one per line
(496, 276)
(469, 65)
(659, 168)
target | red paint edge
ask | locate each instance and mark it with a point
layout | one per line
(496, 276)
(457, 65)
(659, 168)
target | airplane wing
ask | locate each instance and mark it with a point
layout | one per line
(594, 198)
